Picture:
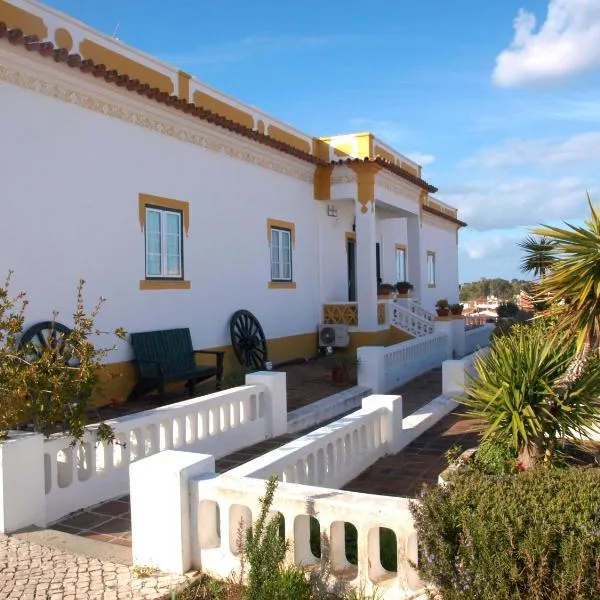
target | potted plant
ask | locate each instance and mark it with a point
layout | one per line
(385, 290)
(456, 309)
(404, 287)
(442, 307)
(343, 369)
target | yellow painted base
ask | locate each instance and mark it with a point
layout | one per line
(385, 337)
(118, 379)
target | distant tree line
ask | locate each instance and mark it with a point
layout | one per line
(502, 289)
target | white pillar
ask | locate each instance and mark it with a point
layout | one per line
(22, 477)
(366, 268)
(275, 382)
(444, 325)
(415, 256)
(393, 424)
(458, 336)
(371, 368)
(160, 508)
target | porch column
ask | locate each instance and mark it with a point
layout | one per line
(415, 255)
(366, 268)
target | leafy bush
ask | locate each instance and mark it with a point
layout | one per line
(53, 384)
(507, 310)
(532, 536)
(264, 553)
(514, 397)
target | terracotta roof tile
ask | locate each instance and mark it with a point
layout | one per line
(393, 168)
(61, 55)
(443, 215)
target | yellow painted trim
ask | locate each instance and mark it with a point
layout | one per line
(168, 203)
(117, 379)
(321, 149)
(165, 284)
(223, 109)
(364, 145)
(260, 126)
(282, 285)
(113, 60)
(322, 182)
(17, 18)
(379, 151)
(278, 224)
(183, 86)
(401, 247)
(63, 39)
(289, 138)
(365, 182)
(350, 235)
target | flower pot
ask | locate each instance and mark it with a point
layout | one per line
(442, 312)
(384, 296)
(403, 291)
(457, 313)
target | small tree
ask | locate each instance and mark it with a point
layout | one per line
(52, 384)
(515, 396)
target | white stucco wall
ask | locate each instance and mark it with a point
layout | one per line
(71, 180)
(439, 236)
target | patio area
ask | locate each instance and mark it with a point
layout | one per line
(111, 521)
(307, 382)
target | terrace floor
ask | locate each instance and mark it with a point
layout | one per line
(307, 382)
(111, 521)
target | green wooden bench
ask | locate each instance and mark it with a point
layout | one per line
(167, 356)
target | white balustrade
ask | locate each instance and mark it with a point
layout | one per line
(418, 310)
(336, 453)
(223, 507)
(74, 477)
(410, 321)
(478, 337)
(383, 368)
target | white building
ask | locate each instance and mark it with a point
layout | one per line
(180, 204)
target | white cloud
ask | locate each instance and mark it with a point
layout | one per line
(421, 158)
(519, 202)
(567, 43)
(480, 245)
(581, 148)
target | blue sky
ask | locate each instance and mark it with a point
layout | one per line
(499, 100)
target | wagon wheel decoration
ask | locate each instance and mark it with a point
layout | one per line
(248, 340)
(48, 335)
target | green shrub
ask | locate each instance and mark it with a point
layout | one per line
(495, 459)
(531, 536)
(514, 394)
(51, 385)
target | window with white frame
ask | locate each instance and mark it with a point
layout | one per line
(401, 263)
(281, 254)
(164, 246)
(431, 269)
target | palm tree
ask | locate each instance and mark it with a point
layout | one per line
(571, 286)
(538, 255)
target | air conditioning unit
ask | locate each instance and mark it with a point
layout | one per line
(333, 335)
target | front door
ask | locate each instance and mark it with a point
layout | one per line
(351, 252)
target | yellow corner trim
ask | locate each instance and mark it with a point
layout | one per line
(165, 284)
(350, 235)
(282, 285)
(401, 247)
(276, 223)
(148, 199)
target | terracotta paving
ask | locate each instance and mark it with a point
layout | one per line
(111, 521)
(421, 462)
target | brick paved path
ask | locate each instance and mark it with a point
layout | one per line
(33, 572)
